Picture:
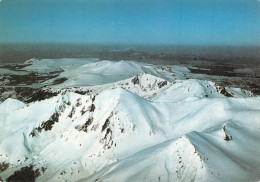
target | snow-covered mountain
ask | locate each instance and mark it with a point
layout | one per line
(129, 121)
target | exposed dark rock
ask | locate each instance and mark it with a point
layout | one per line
(93, 99)
(92, 108)
(105, 125)
(107, 132)
(78, 103)
(216, 70)
(223, 91)
(72, 112)
(85, 126)
(136, 80)
(83, 111)
(3, 166)
(47, 125)
(32, 134)
(43, 169)
(162, 83)
(62, 107)
(18, 84)
(26, 94)
(39, 95)
(24, 174)
(15, 67)
(30, 78)
(227, 137)
(107, 141)
(94, 127)
(59, 80)
(81, 92)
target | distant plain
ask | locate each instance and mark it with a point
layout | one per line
(236, 66)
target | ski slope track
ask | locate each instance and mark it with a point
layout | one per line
(129, 121)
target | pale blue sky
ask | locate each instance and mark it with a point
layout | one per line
(186, 22)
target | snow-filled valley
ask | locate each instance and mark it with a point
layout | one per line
(127, 121)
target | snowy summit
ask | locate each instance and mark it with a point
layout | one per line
(128, 121)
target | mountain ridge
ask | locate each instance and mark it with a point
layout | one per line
(193, 130)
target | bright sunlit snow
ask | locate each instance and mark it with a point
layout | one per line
(130, 121)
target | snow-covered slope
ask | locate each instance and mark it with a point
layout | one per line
(104, 72)
(129, 121)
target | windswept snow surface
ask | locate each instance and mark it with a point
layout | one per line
(130, 121)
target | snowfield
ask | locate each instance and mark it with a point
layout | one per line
(129, 121)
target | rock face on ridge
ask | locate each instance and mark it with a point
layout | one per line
(151, 125)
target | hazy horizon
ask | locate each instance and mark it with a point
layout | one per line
(18, 53)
